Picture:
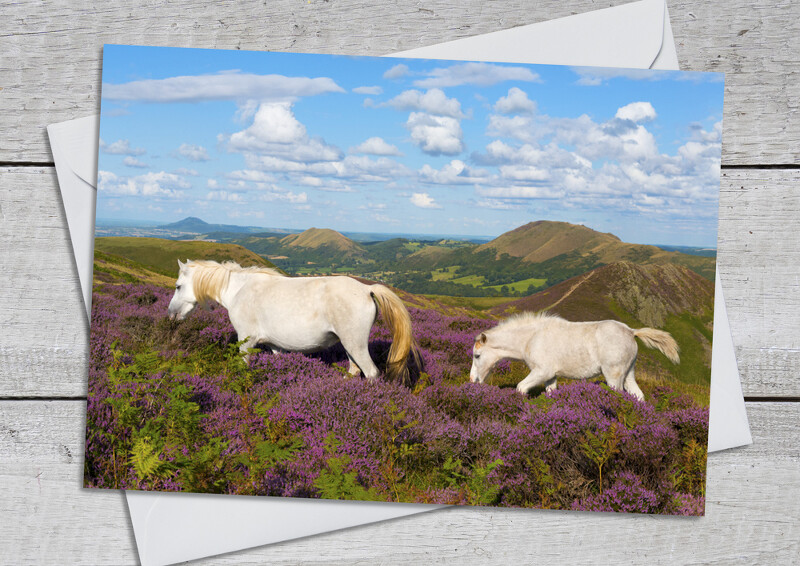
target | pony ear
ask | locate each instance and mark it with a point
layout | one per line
(181, 265)
(481, 338)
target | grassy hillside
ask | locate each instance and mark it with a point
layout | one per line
(161, 256)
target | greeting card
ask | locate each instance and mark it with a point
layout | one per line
(403, 280)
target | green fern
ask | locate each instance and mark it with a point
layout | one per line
(335, 483)
(600, 448)
(146, 458)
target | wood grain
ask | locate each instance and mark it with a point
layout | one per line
(50, 52)
(749, 517)
(45, 334)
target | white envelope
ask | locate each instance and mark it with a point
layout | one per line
(171, 527)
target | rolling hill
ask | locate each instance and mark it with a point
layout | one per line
(161, 256)
(538, 242)
(323, 238)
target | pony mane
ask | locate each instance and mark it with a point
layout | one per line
(210, 277)
(526, 318)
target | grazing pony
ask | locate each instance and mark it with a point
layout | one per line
(299, 314)
(552, 347)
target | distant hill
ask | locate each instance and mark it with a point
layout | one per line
(539, 241)
(670, 297)
(546, 241)
(194, 225)
(161, 256)
(317, 238)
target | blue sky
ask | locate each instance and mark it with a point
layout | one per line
(407, 146)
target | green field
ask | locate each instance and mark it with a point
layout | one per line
(520, 285)
(162, 256)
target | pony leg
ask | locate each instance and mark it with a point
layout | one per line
(551, 385)
(250, 342)
(632, 387)
(532, 380)
(614, 377)
(360, 359)
(353, 369)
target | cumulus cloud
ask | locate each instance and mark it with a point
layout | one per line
(231, 85)
(480, 74)
(276, 133)
(637, 112)
(434, 101)
(376, 146)
(517, 127)
(133, 162)
(121, 147)
(193, 152)
(435, 135)
(516, 102)
(423, 200)
(396, 72)
(374, 90)
(160, 184)
(454, 173)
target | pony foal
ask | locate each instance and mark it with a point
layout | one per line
(299, 314)
(552, 347)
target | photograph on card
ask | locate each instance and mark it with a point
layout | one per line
(403, 280)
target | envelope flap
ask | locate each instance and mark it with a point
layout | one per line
(630, 35)
(77, 141)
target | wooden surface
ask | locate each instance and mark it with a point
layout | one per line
(49, 72)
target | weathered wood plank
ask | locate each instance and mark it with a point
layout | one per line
(759, 263)
(749, 517)
(50, 52)
(43, 351)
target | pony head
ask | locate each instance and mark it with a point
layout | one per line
(483, 359)
(184, 299)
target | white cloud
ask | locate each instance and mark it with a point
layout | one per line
(276, 132)
(368, 90)
(423, 200)
(287, 196)
(637, 112)
(454, 173)
(376, 146)
(481, 74)
(434, 101)
(160, 184)
(516, 102)
(524, 173)
(121, 147)
(221, 86)
(193, 152)
(133, 162)
(594, 76)
(521, 192)
(517, 127)
(185, 171)
(251, 175)
(212, 184)
(396, 72)
(225, 196)
(435, 135)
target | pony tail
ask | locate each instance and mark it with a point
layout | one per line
(399, 322)
(660, 340)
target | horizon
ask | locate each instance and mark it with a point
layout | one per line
(133, 223)
(374, 145)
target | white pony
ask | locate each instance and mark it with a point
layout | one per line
(552, 347)
(299, 314)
